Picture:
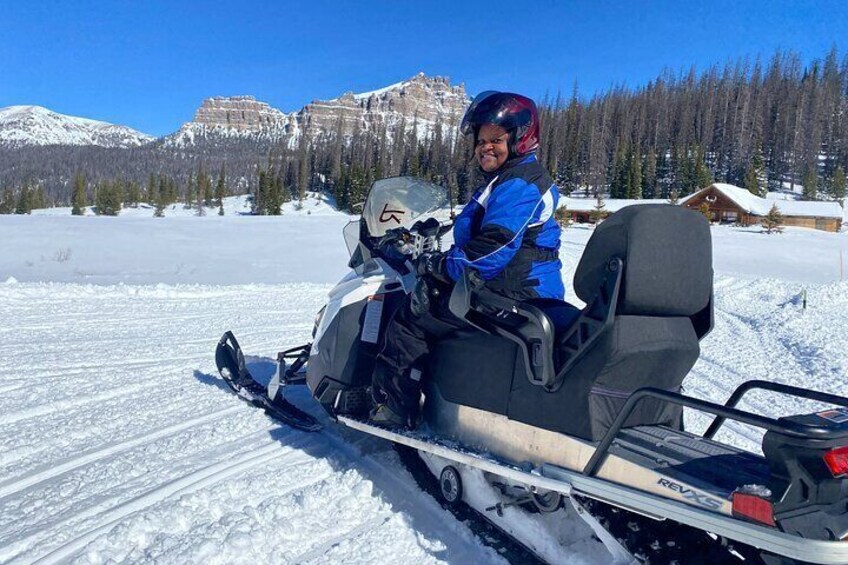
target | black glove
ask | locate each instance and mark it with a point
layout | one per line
(432, 265)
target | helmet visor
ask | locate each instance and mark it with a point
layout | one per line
(468, 121)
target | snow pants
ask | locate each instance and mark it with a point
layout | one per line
(407, 339)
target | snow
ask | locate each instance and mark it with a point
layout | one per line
(179, 248)
(35, 125)
(118, 444)
(379, 91)
(577, 204)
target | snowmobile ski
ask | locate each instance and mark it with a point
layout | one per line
(231, 366)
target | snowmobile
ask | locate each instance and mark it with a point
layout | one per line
(578, 406)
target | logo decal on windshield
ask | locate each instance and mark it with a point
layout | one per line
(387, 215)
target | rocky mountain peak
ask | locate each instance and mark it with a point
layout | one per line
(426, 101)
(243, 113)
(421, 100)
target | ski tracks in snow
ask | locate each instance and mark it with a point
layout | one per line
(118, 444)
(762, 332)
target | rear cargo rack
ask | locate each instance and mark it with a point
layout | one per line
(790, 390)
(723, 413)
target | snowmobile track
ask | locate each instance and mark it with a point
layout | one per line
(487, 532)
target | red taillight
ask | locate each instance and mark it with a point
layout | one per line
(753, 508)
(837, 461)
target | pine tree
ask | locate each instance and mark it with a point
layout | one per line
(132, 195)
(162, 196)
(152, 193)
(649, 175)
(39, 199)
(159, 203)
(773, 222)
(173, 194)
(199, 203)
(356, 188)
(598, 213)
(24, 205)
(702, 177)
(838, 185)
(189, 192)
(117, 195)
(810, 181)
(107, 198)
(752, 183)
(204, 183)
(79, 201)
(562, 217)
(620, 174)
(759, 171)
(276, 196)
(7, 203)
(221, 190)
(634, 176)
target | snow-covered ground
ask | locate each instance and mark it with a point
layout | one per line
(118, 444)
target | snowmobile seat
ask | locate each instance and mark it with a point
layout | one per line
(646, 279)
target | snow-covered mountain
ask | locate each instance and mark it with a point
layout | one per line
(421, 101)
(36, 125)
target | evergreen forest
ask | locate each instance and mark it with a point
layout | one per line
(763, 124)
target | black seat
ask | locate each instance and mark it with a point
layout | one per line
(646, 277)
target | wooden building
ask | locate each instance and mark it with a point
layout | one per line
(581, 210)
(734, 205)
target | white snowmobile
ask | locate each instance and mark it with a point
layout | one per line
(579, 407)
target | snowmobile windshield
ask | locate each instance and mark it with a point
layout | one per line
(399, 202)
(359, 253)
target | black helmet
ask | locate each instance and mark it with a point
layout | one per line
(515, 113)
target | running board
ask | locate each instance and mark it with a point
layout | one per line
(465, 457)
(566, 482)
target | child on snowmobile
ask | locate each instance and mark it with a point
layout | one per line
(506, 233)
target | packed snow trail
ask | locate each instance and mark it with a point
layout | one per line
(119, 442)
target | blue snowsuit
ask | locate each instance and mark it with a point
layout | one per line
(507, 233)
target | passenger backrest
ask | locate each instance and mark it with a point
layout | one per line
(664, 307)
(667, 256)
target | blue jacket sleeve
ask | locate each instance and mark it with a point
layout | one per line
(512, 207)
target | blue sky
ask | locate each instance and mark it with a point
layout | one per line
(150, 64)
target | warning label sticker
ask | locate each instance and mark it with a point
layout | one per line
(373, 314)
(837, 415)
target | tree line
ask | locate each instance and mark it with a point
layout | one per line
(761, 125)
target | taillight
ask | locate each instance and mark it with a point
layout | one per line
(754, 508)
(837, 461)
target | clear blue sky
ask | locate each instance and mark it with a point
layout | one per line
(150, 64)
